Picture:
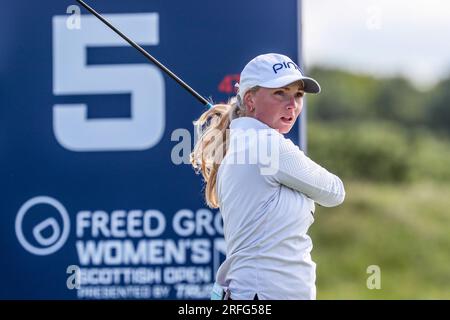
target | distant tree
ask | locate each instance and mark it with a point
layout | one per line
(398, 101)
(349, 96)
(439, 107)
(344, 96)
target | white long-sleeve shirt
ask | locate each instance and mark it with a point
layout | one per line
(267, 208)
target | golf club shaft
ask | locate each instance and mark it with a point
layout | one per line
(147, 55)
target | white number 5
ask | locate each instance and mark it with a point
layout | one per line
(72, 75)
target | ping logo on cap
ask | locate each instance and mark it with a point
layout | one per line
(278, 66)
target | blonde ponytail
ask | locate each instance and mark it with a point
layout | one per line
(212, 144)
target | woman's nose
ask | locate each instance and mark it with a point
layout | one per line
(292, 103)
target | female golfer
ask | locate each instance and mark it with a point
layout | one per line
(263, 184)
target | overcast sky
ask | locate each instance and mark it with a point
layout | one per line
(410, 37)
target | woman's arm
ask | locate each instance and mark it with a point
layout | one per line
(297, 171)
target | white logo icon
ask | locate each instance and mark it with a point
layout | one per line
(56, 240)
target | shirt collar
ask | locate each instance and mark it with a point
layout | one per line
(248, 123)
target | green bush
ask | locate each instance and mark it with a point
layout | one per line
(403, 230)
(377, 151)
(431, 157)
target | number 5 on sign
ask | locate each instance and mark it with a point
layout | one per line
(72, 76)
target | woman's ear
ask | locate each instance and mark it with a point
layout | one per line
(249, 102)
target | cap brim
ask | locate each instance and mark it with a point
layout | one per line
(311, 85)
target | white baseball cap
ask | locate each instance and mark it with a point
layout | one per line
(273, 70)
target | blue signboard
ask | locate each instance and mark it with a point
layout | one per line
(98, 200)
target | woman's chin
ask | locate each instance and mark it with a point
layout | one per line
(284, 128)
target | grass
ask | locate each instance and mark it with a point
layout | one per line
(402, 228)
